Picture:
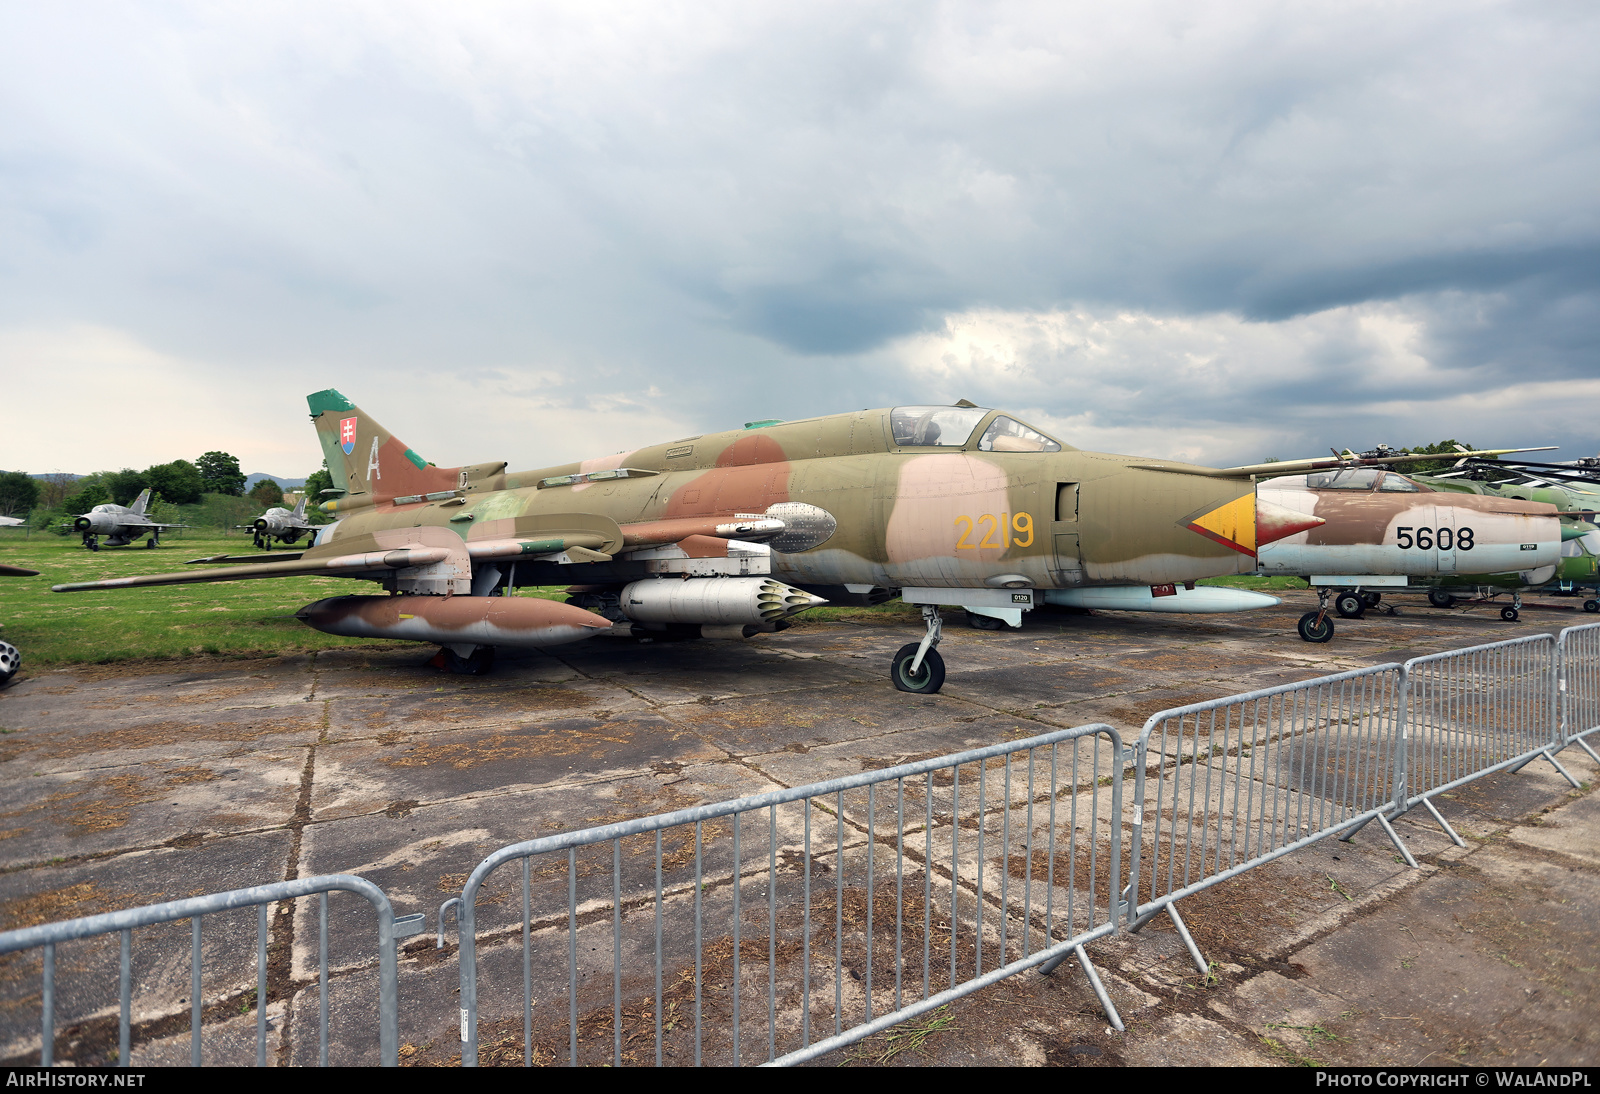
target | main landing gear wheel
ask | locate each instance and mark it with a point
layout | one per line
(986, 622)
(478, 662)
(1313, 631)
(1591, 605)
(151, 542)
(1371, 599)
(929, 677)
(1350, 605)
(1510, 615)
(1440, 599)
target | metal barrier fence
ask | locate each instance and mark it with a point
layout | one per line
(841, 908)
(1580, 685)
(47, 937)
(1477, 710)
(1242, 780)
(785, 925)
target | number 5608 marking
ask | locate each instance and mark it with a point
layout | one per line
(1445, 539)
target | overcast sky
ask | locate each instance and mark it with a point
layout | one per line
(540, 232)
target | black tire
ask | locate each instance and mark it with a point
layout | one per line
(929, 680)
(1510, 615)
(149, 543)
(1372, 599)
(1349, 605)
(1440, 599)
(986, 622)
(1591, 605)
(477, 663)
(93, 546)
(1311, 632)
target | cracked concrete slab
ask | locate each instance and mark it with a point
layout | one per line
(141, 782)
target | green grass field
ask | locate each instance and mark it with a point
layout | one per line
(233, 618)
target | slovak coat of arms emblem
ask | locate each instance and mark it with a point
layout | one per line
(347, 435)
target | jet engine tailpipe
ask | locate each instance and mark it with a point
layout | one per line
(714, 600)
(454, 620)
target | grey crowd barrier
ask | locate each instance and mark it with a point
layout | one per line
(1226, 785)
(1477, 710)
(1580, 686)
(47, 937)
(782, 926)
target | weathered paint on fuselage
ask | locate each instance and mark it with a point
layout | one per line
(1579, 564)
(906, 515)
(1420, 533)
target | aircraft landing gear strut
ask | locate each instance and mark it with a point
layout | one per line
(917, 666)
(1316, 626)
(478, 661)
(91, 542)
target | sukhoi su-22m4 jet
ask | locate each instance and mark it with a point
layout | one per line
(730, 534)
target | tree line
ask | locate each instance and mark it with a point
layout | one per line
(47, 501)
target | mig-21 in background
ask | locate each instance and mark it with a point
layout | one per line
(120, 524)
(281, 524)
(729, 534)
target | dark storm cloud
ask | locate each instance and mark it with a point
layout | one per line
(609, 219)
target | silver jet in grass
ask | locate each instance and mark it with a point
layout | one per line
(284, 525)
(120, 524)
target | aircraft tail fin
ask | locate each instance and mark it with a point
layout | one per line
(137, 508)
(366, 460)
(300, 506)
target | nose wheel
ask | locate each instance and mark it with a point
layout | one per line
(1316, 626)
(91, 542)
(917, 666)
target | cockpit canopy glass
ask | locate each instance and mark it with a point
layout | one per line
(1398, 484)
(1353, 478)
(1009, 435)
(934, 425)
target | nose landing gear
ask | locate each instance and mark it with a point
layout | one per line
(917, 666)
(1316, 626)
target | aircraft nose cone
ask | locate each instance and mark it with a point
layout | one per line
(1274, 522)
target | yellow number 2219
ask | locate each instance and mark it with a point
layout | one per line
(1020, 523)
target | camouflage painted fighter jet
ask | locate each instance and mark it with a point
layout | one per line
(284, 525)
(120, 524)
(729, 534)
(1382, 528)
